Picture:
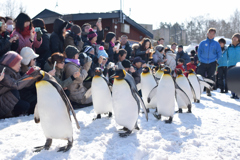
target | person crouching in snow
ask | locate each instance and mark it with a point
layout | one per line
(11, 103)
(78, 93)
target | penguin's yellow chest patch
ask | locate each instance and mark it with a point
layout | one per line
(179, 76)
(145, 74)
(118, 81)
(41, 84)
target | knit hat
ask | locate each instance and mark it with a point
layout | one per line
(109, 36)
(76, 29)
(11, 58)
(91, 34)
(102, 52)
(160, 48)
(87, 49)
(71, 51)
(126, 63)
(27, 55)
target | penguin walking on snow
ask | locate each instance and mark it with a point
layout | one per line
(53, 111)
(101, 94)
(126, 102)
(184, 97)
(165, 93)
(148, 82)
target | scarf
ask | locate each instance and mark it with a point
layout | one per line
(76, 61)
(112, 44)
(25, 32)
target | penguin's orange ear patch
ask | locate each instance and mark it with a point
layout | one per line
(28, 78)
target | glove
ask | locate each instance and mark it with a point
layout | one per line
(39, 35)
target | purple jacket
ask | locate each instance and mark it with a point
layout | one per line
(25, 42)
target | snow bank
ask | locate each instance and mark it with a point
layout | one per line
(211, 132)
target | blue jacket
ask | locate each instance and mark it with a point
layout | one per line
(233, 55)
(209, 51)
(222, 61)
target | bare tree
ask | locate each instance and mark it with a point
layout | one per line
(11, 8)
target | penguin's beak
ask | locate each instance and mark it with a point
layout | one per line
(165, 70)
(114, 76)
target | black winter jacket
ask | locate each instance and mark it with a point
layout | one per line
(5, 45)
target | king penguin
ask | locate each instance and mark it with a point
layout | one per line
(126, 102)
(165, 92)
(148, 82)
(159, 73)
(101, 94)
(195, 86)
(184, 96)
(53, 111)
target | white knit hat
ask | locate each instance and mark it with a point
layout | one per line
(27, 54)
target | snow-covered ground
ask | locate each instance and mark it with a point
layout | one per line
(210, 132)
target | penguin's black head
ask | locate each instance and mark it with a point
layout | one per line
(98, 71)
(145, 69)
(191, 71)
(119, 74)
(167, 70)
(179, 71)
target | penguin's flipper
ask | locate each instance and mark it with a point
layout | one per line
(36, 115)
(53, 81)
(137, 97)
(152, 93)
(107, 81)
(208, 80)
(193, 91)
(205, 84)
(180, 94)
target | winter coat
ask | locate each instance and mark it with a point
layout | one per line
(77, 90)
(128, 48)
(74, 40)
(209, 51)
(56, 38)
(196, 60)
(233, 55)
(157, 58)
(26, 42)
(44, 50)
(142, 54)
(137, 74)
(12, 81)
(184, 56)
(5, 45)
(182, 68)
(222, 61)
(171, 62)
(109, 49)
(59, 75)
(191, 66)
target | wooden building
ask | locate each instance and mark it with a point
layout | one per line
(115, 21)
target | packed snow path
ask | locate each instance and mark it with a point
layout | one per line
(211, 132)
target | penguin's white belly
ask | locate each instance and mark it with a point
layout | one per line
(124, 105)
(195, 84)
(185, 86)
(166, 96)
(54, 117)
(147, 84)
(201, 85)
(101, 95)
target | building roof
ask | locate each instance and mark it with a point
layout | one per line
(92, 16)
(47, 13)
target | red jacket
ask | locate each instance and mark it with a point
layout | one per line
(191, 66)
(182, 68)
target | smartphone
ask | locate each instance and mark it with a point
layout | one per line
(3, 71)
(99, 20)
(118, 46)
(37, 29)
(54, 65)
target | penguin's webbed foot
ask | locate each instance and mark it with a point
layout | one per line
(179, 111)
(65, 148)
(110, 114)
(98, 117)
(169, 120)
(158, 116)
(136, 127)
(125, 134)
(46, 146)
(189, 109)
